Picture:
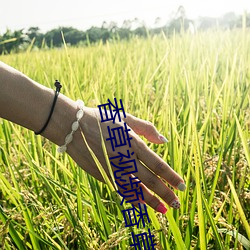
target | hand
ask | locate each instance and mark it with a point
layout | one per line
(151, 168)
(21, 98)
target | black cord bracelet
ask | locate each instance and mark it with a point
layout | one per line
(58, 87)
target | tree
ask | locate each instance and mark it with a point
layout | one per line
(180, 22)
(157, 22)
(13, 41)
(71, 35)
(34, 33)
(113, 27)
(127, 24)
(229, 20)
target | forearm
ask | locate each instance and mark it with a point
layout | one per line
(27, 103)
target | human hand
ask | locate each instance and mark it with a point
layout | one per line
(21, 98)
(152, 170)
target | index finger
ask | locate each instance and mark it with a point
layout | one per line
(144, 128)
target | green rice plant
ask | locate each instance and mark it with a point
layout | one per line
(194, 88)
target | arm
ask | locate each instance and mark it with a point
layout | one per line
(27, 103)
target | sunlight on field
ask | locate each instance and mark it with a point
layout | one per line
(195, 89)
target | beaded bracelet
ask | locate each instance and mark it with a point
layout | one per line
(74, 127)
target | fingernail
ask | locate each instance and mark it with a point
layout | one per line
(161, 208)
(163, 138)
(175, 204)
(181, 186)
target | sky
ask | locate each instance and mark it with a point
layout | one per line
(82, 14)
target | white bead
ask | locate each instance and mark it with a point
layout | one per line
(79, 114)
(69, 138)
(75, 126)
(80, 104)
(62, 149)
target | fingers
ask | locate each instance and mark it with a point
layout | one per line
(149, 181)
(147, 197)
(154, 183)
(144, 128)
(158, 166)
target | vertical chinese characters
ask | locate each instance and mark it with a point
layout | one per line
(125, 167)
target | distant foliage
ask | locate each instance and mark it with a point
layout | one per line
(20, 40)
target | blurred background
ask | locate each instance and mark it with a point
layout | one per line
(82, 22)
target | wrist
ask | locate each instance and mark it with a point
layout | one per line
(61, 120)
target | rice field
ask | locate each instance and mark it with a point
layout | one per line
(196, 91)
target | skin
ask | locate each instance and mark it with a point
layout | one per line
(21, 98)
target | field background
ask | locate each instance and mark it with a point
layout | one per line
(194, 88)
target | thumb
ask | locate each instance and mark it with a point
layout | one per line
(145, 128)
